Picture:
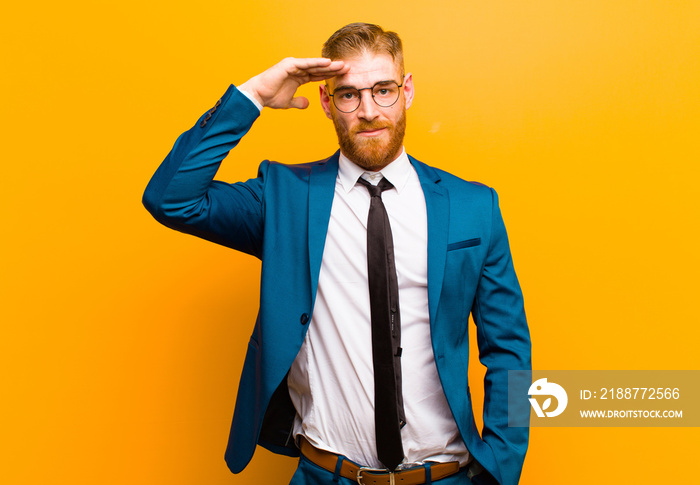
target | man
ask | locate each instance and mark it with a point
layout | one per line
(371, 264)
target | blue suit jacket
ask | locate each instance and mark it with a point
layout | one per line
(282, 216)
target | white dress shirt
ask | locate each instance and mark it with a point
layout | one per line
(331, 382)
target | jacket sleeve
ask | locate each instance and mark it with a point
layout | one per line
(183, 195)
(504, 344)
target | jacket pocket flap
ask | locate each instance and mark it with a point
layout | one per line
(467, 243)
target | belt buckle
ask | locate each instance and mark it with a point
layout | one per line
(392, 479)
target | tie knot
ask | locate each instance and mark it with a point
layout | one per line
(376, 190)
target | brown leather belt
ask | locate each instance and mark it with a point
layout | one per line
(373, 476)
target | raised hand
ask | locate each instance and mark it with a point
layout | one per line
(275, 87)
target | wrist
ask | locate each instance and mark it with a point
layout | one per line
(248, 89)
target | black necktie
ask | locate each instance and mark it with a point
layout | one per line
(389, 414)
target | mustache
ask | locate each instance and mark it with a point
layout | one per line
(370, 126)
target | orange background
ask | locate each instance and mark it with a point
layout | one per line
(122, 341)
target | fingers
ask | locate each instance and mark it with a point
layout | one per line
(316, 69)
(311, 62)
(300, 102)
(327, 74)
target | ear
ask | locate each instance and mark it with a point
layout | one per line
(325, 100)
(408, 90)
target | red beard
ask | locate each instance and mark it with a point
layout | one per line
(372, 153)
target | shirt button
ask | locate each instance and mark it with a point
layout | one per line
(304, 318)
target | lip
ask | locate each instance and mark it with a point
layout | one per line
(376, 132)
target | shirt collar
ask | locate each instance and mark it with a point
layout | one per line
(397, 172)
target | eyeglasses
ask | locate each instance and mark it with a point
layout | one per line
(384, 94)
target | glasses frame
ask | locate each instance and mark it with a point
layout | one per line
(372, 93)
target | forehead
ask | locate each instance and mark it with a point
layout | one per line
(367, 69)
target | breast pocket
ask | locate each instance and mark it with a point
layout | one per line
(462, 268)
(467, 243)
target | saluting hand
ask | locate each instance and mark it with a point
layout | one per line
(275, 87)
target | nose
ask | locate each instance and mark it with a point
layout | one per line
(368, 109)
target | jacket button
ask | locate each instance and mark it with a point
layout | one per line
(304, 318)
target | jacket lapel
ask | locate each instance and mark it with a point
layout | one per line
(437, 203)
(321, 189)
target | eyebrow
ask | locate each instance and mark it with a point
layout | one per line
(348, 86)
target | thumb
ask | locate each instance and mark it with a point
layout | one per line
(299, 102)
